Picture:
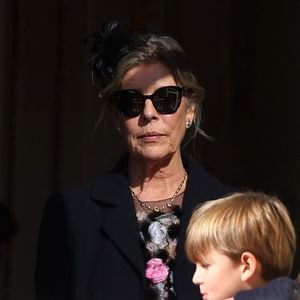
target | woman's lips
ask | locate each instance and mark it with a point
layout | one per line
(151, 136)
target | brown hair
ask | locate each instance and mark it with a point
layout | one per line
(249, 221)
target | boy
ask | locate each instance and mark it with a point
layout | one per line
(241, 242)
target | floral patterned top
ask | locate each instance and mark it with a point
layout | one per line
(159, 234)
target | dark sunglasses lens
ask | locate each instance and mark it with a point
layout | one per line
(129, 102)
(166, 100)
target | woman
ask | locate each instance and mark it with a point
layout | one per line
(122, 236)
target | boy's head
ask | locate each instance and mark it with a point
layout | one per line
(252, 223)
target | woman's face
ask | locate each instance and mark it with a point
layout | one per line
(153, 136)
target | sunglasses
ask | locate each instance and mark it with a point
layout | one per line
(166, 100)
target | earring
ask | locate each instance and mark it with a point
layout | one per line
(188, 124)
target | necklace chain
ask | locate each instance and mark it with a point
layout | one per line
(163, 207)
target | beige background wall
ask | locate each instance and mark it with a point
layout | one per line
(245, 53)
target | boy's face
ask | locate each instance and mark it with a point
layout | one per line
(219, 277)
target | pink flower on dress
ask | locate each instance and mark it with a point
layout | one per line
(156, 270)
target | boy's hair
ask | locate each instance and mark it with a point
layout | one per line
(249, 221)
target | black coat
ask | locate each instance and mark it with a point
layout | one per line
(89, 249)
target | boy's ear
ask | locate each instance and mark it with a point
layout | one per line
(250, 266)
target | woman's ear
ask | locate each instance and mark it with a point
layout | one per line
(191, 111)
(250, 266)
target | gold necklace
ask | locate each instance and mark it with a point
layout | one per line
(165, 206)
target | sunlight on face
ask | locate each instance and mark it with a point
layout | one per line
(153, 136)
(219, 277)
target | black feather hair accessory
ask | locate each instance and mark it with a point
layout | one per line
(108, 46)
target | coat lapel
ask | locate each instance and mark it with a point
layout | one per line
(200, 187)
(190, 201)
(119, 219)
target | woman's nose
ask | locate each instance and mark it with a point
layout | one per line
(149, 111)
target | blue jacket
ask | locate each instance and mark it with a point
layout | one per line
(282, 288)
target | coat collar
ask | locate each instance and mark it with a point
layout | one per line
(200, 187)
(119, 224)
(192, 196)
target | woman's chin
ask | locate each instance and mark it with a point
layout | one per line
(152, 154)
